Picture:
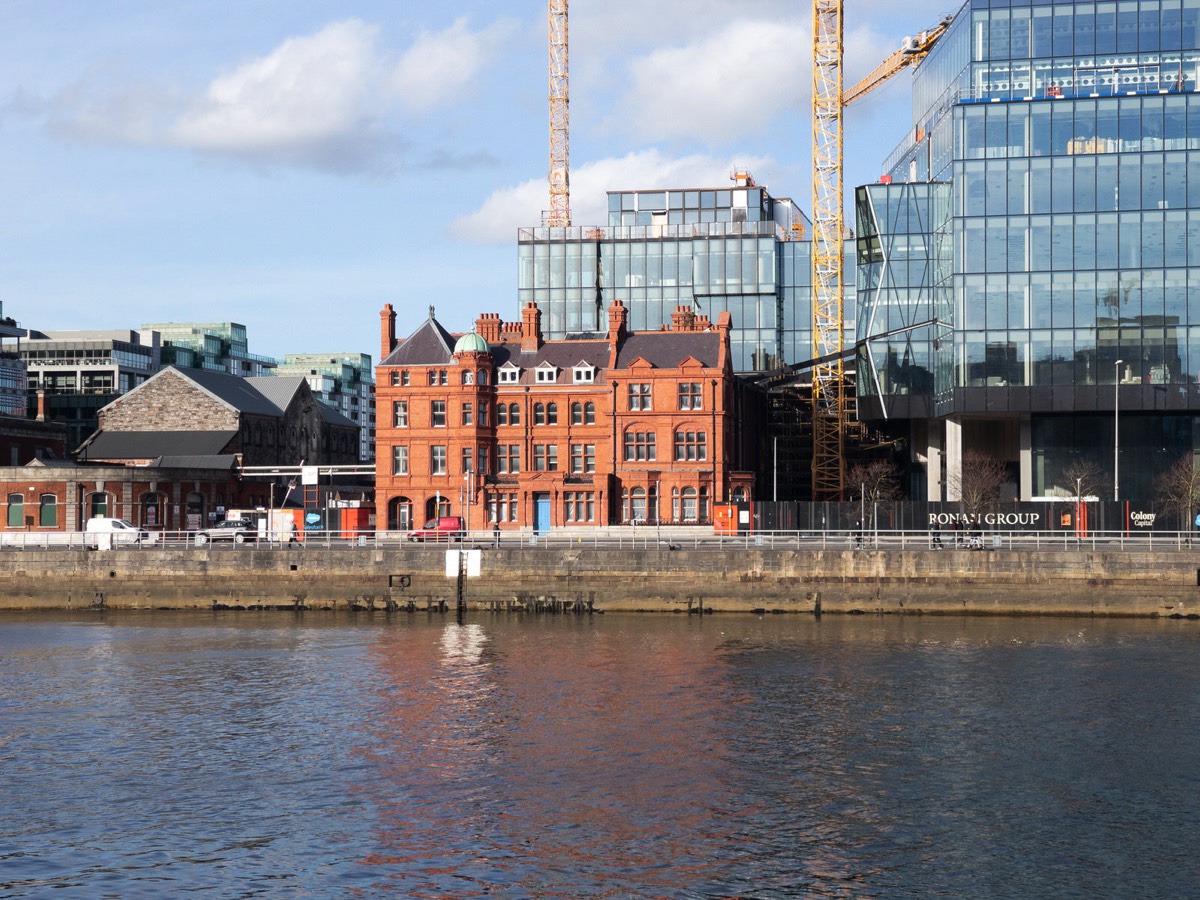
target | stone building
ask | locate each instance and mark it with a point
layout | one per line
(510, 430)
(264, 420)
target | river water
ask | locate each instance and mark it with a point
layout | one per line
(240, 754)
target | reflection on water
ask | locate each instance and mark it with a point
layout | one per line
(240, 754)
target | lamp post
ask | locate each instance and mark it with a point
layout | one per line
(1117, 430)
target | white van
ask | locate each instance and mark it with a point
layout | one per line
(118, 530)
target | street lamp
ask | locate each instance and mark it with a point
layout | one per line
(1117, 429)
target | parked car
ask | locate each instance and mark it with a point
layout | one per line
(121, 531)
(237, 530)
(443, 528)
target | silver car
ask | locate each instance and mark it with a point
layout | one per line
(236, 530)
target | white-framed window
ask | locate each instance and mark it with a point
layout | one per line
(639, 397)
(546, 374)
(400, 414)
(437, 459)
(583, 458)
(437, 413)
(468, 414)
(545, 457)
(400, 460)
(508, 374)
(583, 374)
(639, 446)
(689, 395)
(691, 446)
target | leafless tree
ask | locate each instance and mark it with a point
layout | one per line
(979, 482)
(873, 483)
(1085, 478)
(1179, 487)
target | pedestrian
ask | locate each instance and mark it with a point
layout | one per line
(937, 539)
(496, 535)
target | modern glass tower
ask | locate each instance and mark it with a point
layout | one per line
(735, 249)
(1044, 211)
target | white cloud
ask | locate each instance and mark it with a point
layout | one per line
(440, 65)
(732, 82)
(307, 92)
(508, 209)
(330, 100)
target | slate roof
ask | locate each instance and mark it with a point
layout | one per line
(153, 444)
(429, 345)
(667, 349)
(278, 389)
(240, 393)
(562, 354)
(224, 461)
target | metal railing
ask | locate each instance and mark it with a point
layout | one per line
(645, 537)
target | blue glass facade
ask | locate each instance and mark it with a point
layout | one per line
(735, 249)
(1045, 210)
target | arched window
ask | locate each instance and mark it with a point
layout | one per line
(16, 510)
(633, 505)
(551, 413)
(195, 511)
(501, 413)
(468, 377)
(739, 495)
(577, 413)
(152, 510)
(589, 413)
(691, 508)
(99, 504)
(539, 414)
(48, 511)
(483, 376)
(400, 514)
(514, 414)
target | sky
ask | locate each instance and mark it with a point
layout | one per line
(293, 165)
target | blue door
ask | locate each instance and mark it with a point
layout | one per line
(541, 513)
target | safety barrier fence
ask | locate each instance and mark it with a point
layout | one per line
(646, 537)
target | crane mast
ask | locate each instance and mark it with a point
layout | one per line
(828, 325)
(828, 384)
(560, 180)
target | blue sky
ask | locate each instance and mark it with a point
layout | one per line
(293, 164)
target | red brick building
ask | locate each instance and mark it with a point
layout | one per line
(502, 427)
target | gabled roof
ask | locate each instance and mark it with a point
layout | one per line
(278, 389)
(429, 345)
(666, 349)
(233, 390)
(153, 444)
(331, 416)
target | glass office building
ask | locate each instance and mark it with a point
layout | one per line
(1044, 212)
(735, 249)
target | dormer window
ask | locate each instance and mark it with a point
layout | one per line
(546, 374)
(584, 374)
(508, 374)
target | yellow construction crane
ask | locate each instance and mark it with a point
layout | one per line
(560, 179)
(828, 320)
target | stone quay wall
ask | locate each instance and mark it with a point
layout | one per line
(1076, 583)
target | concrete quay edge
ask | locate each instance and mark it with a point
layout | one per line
(1071, 583)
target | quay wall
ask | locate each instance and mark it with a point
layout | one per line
(996, 582)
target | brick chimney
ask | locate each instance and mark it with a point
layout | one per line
(531, 328)
(618, 316)
(487, 326)
(387, 331)
(683, 319)
(41, 405)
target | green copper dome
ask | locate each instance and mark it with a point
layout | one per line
(471, 343)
